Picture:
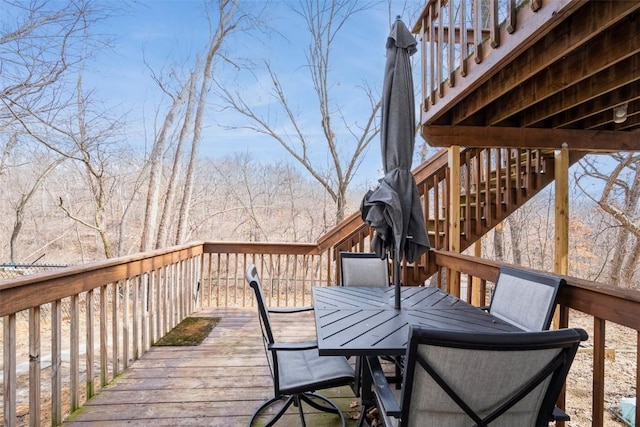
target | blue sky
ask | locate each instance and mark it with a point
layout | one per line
(169, 32)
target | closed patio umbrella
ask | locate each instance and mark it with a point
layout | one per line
(393, 208)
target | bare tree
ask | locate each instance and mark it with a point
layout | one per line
(40, 42)
(229, 19)
(21, 206)
(265, 202)
(6, 153)
(155, 165)
(323, 20)
(620, 200)
(225, 17)
(93, 135)
(515, 231)
(169, 198)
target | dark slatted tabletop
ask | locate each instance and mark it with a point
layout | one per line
(355, 321)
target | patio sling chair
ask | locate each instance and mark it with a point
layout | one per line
(297, 368)
(363, 269)
(366, 269)
(464, 379)
(526, 299)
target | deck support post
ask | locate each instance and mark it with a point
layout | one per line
(561, 238)
(561, 252)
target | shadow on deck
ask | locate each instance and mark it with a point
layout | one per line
(218, 383)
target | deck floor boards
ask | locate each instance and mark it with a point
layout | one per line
(218, 383)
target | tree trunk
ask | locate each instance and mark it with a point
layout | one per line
(149, 223)
(498, 242)
(515, 227)
(174, 178)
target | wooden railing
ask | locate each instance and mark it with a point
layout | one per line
(98, 317)
(105, 315)
(464, 42)
(493, 183)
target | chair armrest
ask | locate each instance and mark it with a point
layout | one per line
(293, 346)
(387, 401)
(290, 309)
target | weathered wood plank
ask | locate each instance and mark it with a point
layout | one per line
(218, 383)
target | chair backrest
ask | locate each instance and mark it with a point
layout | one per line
(525, 299)
(265, 322)
(460, 379)
(363, 269)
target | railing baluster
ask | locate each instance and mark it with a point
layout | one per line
(519, 179)
(136, 317)
(159, 332)
(441, 62)
(172, 296)
(477, 190)
(126, 319)
(536, 5)
(56, 362)
(145, 311)
(477, 31)
(9, 369)
(166, 289)
(74, 352)
(512, 16)
(451, 42)
(495, 34)
(89, 343)
(488, 192)
(218, 274)
(35, 365)
(200, 302)
(151, 285)
(104, 377)
(432, 55)
(180, 287)
(115, 328)
(500, 192)
(226, 281)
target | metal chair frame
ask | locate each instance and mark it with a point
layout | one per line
(554, 371)
(329, 371)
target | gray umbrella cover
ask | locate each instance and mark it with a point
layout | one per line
(393, 209)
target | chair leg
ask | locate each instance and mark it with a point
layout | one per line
(297, 400)
(277, 416)
(299, 405)
(331, 408)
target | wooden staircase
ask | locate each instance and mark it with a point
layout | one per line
(494, 182)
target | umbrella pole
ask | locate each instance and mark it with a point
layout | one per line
(396, 277)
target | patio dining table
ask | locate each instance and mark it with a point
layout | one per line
(362, 321)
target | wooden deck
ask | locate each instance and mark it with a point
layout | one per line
(218, 383)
